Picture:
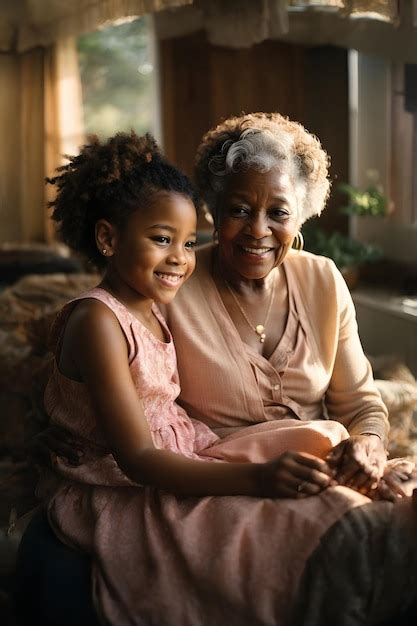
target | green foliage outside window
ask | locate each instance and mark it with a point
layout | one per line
(370, 202)
(116, 77)
(345, 251)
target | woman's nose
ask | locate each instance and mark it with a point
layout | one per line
(259, 227)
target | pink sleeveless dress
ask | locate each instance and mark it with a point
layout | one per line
(163, 560)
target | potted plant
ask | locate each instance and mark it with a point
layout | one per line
(370, 202)
(350, 254)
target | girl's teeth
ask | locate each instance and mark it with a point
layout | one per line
(170, 277)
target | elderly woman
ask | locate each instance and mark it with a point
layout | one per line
(269, 357)
(273, 329)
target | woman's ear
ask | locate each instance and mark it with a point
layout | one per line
(105, 237)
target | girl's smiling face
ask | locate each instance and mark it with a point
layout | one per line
(258, 222)
(153, 253)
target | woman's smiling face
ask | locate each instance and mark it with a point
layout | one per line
(258, 222)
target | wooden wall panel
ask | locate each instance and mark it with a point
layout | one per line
(326, 115)
(201, 84)
(251, 79)
(185, 90)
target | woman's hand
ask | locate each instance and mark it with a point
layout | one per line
(359, 462)
(398, 481)
(57, 440)
(295, 475)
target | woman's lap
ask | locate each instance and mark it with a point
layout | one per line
(54, 581)
(364, 570)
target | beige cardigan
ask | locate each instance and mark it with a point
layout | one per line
(224, 387)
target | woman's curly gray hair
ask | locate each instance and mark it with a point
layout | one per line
(263, 141)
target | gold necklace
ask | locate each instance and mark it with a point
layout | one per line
(259, 329)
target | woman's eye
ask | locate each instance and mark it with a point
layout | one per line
(190, 245)
(279, 213)
(239, 211)
(161, 239)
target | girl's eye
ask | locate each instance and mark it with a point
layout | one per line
(161, 239)
(190, 245)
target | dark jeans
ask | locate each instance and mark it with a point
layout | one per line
(54, 582)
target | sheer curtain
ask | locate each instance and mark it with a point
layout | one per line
(47, 21)
(32, 170)
(386, 10)
(62, 109)
(40, 120)
(40, 99)
(42, 94)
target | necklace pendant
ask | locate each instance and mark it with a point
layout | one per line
(259, 329)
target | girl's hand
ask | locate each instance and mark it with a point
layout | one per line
(359, 462)
(57, 440)
(295, 475)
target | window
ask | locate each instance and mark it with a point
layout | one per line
(404, 142)
(383, 138)
(117, 77)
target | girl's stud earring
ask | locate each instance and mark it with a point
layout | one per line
(104, 251)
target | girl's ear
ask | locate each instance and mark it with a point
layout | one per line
(105, 237)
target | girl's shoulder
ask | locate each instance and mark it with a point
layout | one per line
(92, 310)
(87, 313)
(85, 325)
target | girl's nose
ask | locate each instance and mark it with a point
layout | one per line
(177, 256)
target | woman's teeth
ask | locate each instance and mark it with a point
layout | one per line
(258, 251)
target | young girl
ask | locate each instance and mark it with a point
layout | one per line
(158, 557)
(129, 211)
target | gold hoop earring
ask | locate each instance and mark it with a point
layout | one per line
(215, 236)
(298, 243)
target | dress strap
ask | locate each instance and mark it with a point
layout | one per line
(124, 317)
(56, 332)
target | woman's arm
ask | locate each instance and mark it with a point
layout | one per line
(353, 399)
(98, 350)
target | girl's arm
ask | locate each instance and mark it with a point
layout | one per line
(95, 343)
